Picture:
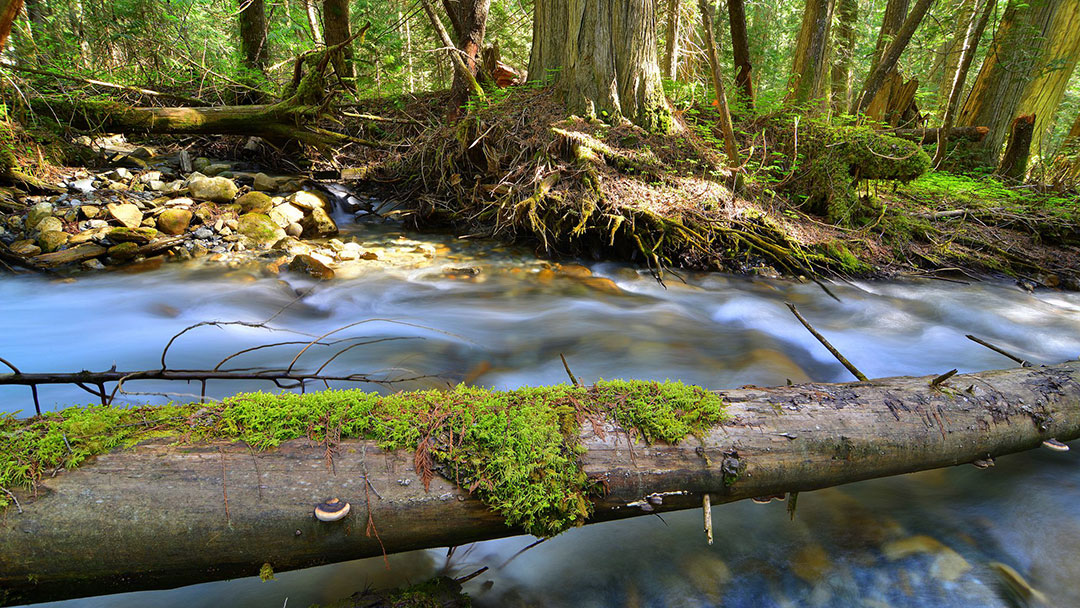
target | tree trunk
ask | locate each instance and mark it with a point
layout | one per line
(1044, 93)
(336, 30)
(895, 13)
(312, 14)
(671, 42)
(472, 21)
(1014, 162)
(951, 50)
(892, 53)
(9, 9)
(162, 514)
(811, 48)
(967, 53)
(847, 12)
(740, 48)
(1018, 45)
(730, 146)
(602, 56)
(253, 48)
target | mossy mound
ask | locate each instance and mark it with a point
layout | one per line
(517, 450)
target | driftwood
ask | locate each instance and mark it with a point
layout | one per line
(157, 515)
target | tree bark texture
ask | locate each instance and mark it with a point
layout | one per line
(1044, 93)
(740, 49)
(847, 13)
(811, 50)
(157, 514)
(892, 53)
(951, 49)
(254, 50)
(602, 54)
(1017, 47)
(1014, 162)
(974, 32)
(337, 29)
(732, 148)
(671, 40)
(9, 9)
(895, 13)
(471, 24)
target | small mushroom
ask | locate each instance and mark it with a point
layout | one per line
(331, 510)
(1055, 445)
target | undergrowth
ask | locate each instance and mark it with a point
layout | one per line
(517, 450)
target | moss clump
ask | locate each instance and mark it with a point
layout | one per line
(517, 450)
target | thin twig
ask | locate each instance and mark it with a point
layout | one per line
(820, 338)
(942, 378)
(998, 350)
(18, 507)
(566, 366)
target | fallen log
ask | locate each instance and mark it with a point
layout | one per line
(929, 136)
(164, 514)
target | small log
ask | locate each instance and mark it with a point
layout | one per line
(929, 136)
(153, 516)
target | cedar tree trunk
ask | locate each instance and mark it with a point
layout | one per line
(811, 49)
(336, 29)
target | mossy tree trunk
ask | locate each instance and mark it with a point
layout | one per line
(811, 50)
(995, 96)
(1013, 164)
(847, 12)
(972, 36)
(255, 53)
(740, 50)
(165, 514)
(336, 30)
(602, 55)
(1044, 93)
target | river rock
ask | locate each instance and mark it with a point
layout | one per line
(123, 251)
(260, 229)
(49, 224)
(37, 213)
(285, 214)
(85, 185)
(200, 163)
(216, 189)
(89, 212)
(25, 247)
(216, 169)
(203, 233)
(174, 221)
(127, 214)
(92, 234)
(307, 200)
(810, 563)
(318, 223)
(308, 264)
(51, 240)
(294, 229)
(93, 224)
(948, 564)
(265, 183)
(257, 202)
(293, 246)
(132, 235)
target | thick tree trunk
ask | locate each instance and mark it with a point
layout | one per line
(847, 12)
(1014, 162)
(471, 23)
(811, 49)
(974, 32)
(1018, 45)
(740, 49)
(892, 53)
(336, 30)
(164, 515)
(1044, 93)
(9, 9)
(602, 56)
(254, 51)
(671, 40)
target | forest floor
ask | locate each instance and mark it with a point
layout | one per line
(517, 169)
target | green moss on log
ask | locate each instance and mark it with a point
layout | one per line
(517, 450)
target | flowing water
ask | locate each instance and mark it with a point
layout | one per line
(496, 316)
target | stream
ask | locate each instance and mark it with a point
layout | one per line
(494, 315)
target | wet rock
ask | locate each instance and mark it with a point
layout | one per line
(25, 247)
(707, 573)
(260, 229)
(49, 224)
(51, 240)
(92, 264)
(575, 270)
(123, 251)
(310, 265)
(293, 246)
(216, 169)
(603, 285)
(174, 221)
(85, 185)
(93, 224)
(216, 189)
(294, 229)
(285, 214)
(132, 235)
(308, 200)
(201, 163)
(318, 223)
(257, 202)
(89, 212)
(265, 183)
(37, 213)
(948, 564)
(125, 213)
(198, 249)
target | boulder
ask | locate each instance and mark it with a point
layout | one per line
(127, 214)
(318, 223)
(37, 213)
(257, 202)
(51, 240)
(308, 200)
(216, 189)
(285, 214)
(260, 229)
(307, 264)
(49, 224)
(294, 229)
(265, 183)
(174, 221)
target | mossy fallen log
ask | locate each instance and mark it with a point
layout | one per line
(185, 507)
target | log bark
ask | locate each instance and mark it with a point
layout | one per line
(929, 136)
(157, 514)
(9, 9)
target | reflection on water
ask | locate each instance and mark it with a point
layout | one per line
(495, 316)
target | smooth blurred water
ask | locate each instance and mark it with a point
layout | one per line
(507, 325)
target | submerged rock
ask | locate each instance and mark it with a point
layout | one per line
(310, 265)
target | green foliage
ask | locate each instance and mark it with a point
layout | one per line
(516, 449)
